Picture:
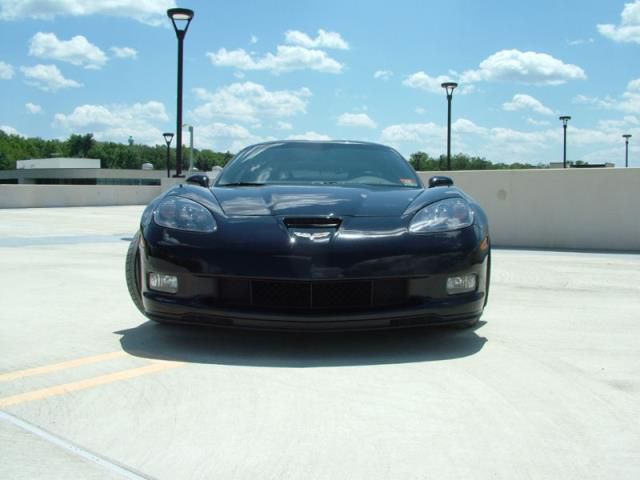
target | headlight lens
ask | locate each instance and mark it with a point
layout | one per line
(443, 216)
(183, 214)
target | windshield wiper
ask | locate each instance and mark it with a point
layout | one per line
(242, 184)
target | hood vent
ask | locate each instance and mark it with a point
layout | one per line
(312, 222)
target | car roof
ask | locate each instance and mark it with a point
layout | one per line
(319, 142)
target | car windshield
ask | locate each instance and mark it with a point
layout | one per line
(319, 164)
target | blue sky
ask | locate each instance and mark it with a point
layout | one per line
(365, 70)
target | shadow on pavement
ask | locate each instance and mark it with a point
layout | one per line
(298, 350)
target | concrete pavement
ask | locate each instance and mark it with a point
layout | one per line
(547, 386)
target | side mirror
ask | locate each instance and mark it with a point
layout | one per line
(201, 180)
(440, 181)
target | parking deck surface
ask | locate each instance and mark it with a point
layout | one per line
(546, 387)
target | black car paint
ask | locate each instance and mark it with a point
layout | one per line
(372, 241)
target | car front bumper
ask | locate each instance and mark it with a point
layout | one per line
(407, 275)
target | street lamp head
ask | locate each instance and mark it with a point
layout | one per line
(168, 136)
(627, 136)
(181, 18)
(449, 87)
(565, 119)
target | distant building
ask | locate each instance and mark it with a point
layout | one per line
(594, 165)
(581, 164)
(76, 171)
(83, 171)
(58, 162)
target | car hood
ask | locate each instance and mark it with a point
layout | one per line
(315, 200)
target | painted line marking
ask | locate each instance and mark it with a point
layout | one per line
(156, 366)
(29, 372)
(99, 460)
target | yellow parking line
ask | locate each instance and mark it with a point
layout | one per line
(5, 377)
(156, 366)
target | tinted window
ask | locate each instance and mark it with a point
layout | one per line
(320, 163)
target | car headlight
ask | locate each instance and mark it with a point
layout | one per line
(184, 214)
(443, 216)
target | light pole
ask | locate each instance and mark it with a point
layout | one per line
(626, 137)
(168, 136)
(565, 119)
(181, 18)
(449, 88)
(190, 128)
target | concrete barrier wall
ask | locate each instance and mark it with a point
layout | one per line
(24, 196)
(572, 208)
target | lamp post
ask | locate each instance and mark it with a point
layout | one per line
(181, 18)
(190, 128)
(449, 88)
(168, 136)
(565, 119)
(626, 137)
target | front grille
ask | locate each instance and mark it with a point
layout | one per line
(279, 294)
(312, 222)
(341, 294)
(316, 295)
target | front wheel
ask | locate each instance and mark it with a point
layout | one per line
(132, 272)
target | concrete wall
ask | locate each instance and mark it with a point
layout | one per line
(572, 208)
(24, 196)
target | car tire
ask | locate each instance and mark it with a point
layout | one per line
(488, 280)
(132, 272)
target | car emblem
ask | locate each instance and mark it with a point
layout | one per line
(312, 236)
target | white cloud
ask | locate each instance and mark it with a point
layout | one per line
(224, 130)
(383, 75)
(425, 82)
(286, 58)
(323, 40)
(9, 130)
(524, 67)
(249, 102)
(6, 71)
(226, 137)
(152, 12)
(253, 40)
(464, 126)
(411, 132)
(77, 51)
(285, 125)
(33, 108)
(629, 28)
(47, 78)
(521, 101)
(628, 102)
(634, 85)
(580, 41)
(499, 144)
(508, 145)
(356, 120)
(538, 123)
(420, 110)
(125, 52)
(117, 122)
(309, 136)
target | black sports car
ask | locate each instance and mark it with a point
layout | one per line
(312, 235)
